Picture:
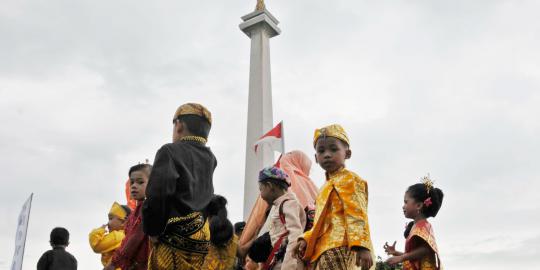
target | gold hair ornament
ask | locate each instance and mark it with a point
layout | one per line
(426, 180)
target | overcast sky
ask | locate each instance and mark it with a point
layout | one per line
(88, 88)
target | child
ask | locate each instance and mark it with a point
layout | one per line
(340, 237)
(134, 250)
(421, 202)
(223, 242)
(106, 243)
(180, 188)
(58, 257)
(287, 218)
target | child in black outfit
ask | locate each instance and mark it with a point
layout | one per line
(58, 258)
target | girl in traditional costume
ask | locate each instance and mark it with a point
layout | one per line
(421, 202)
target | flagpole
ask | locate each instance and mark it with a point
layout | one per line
(283, 136)
(27, 225)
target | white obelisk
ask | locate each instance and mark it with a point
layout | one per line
(260, 26)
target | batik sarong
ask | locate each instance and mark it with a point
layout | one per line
(183, 245)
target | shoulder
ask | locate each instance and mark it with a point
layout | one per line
(350, 179)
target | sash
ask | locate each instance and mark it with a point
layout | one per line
(179, 229)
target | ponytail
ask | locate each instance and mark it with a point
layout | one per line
(221, 229)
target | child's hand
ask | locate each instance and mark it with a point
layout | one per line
(394, 260)
(299, 249)
(390, 250)
(363, 258)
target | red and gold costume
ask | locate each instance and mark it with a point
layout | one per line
(133, 253)
(423, 231)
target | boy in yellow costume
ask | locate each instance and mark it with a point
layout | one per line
(104, 242)
(340, 237)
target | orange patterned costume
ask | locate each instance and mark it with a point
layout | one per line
(341, 219)
(423, 230)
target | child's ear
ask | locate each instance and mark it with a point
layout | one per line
(179, 127)
(348, 153)
(316, 161)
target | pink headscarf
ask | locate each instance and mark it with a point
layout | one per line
(297, 165)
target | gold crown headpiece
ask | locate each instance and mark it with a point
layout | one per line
(426, 180)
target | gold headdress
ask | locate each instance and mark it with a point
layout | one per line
(193, 108)
(426, 180)
(334, 130)
(118, 210)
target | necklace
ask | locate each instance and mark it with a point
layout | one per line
(198, 139)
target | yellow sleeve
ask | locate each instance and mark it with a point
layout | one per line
(307, 235)
(352, 192)
(101, 242)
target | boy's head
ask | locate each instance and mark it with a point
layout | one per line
(273, 182)
(331, 147)
(117, 216)
(59, 237)
(191, 119)
(138, 178)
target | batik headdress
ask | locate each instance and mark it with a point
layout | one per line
(335, 131)
(195, 109)
(274, 173)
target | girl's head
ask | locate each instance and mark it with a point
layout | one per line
(422, 200)
(221, 229)
(138, 178)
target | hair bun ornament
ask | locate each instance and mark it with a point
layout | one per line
(426, 180)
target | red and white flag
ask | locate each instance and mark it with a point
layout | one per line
(273, 138)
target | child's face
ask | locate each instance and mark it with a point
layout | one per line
(115, 223)
(250, 264)
(331, 154)
(267, 192)
(138, 181)
(411, 208)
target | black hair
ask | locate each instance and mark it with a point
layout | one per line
(196, 125)
(420, 193)
(261, 248)
(282, 184)
(59, 237)
(127, 209)
(221, 229)
(141, 167)
(239, 227)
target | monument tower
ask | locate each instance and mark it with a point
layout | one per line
(259, 25)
